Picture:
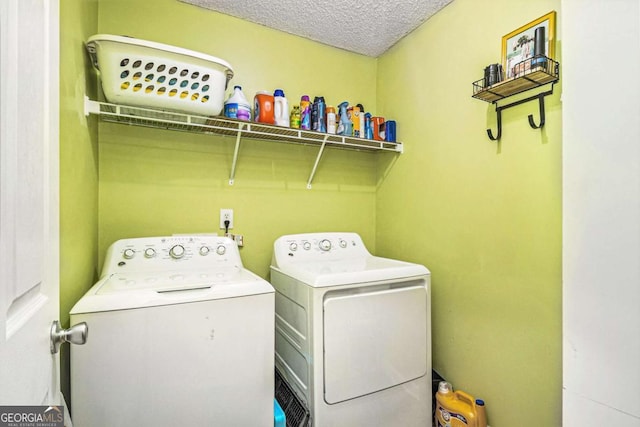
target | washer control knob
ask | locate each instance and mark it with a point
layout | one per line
(128, 253)
(204, 250)
(149, 253)
(306, 246)
(220, 250)
(177, 252)
(325, 244)
(343, 243)
(293, 246)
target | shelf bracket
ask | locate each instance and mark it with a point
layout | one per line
(235, 153)
(539, 97)
(315, 165)
(90, 107)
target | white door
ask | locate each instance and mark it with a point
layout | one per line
(29, 302)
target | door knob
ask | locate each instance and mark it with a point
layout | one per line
(77, 334)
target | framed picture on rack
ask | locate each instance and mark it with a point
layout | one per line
(519, 45)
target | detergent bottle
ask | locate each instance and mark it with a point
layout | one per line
(237, 106)
(458, 409)
(281, 108)
(305, 113)
(314, 113)
(320, 124)
(295, 117)
(263, 107)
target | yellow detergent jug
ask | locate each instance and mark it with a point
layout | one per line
(458, 409)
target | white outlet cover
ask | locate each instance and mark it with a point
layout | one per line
(226, 214)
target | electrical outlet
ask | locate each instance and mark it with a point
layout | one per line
(226, 215)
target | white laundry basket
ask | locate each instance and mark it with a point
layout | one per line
(147, 74)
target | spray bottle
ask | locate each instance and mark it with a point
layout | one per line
(345, 126)
(368, 130)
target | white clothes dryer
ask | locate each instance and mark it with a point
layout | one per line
(353, 331)
(179, 334)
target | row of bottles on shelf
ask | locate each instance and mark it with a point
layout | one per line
(348, 120)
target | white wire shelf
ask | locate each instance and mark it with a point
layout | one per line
(240, 129)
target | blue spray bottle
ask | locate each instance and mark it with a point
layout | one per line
(368, 130)
(345, 127)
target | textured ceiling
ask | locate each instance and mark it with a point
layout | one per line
(369, 27)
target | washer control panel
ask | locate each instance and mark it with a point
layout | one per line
(171, 253)
(307, 247)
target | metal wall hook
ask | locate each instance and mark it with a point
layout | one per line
(531, 122)
(489, 133)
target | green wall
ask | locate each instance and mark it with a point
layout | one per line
(154, 182)
(485, 217)
(78, 164)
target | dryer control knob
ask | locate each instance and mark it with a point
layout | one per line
(343, 243)
(128, 253)
(204, 250)
(149, 253)
(325, 244)
(293, 246)
(177, 252)
(306, 246)
(220, 250)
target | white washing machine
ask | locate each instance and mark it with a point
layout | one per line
(179, 334)
(353, 331)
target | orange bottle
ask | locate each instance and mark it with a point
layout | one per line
(458, 409)
(263, 107)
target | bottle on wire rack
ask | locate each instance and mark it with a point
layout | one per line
(237, 106)
(280, 108)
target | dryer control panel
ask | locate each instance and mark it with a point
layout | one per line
(318, 246)
(171, 253)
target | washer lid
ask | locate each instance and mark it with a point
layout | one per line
(138, 290)
(170, 281)
(350, 271)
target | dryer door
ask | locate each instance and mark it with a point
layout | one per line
(374, 339)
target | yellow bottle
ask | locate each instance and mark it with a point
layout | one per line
(458, 409)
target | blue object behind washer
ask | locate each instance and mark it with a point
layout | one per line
(279, 420)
